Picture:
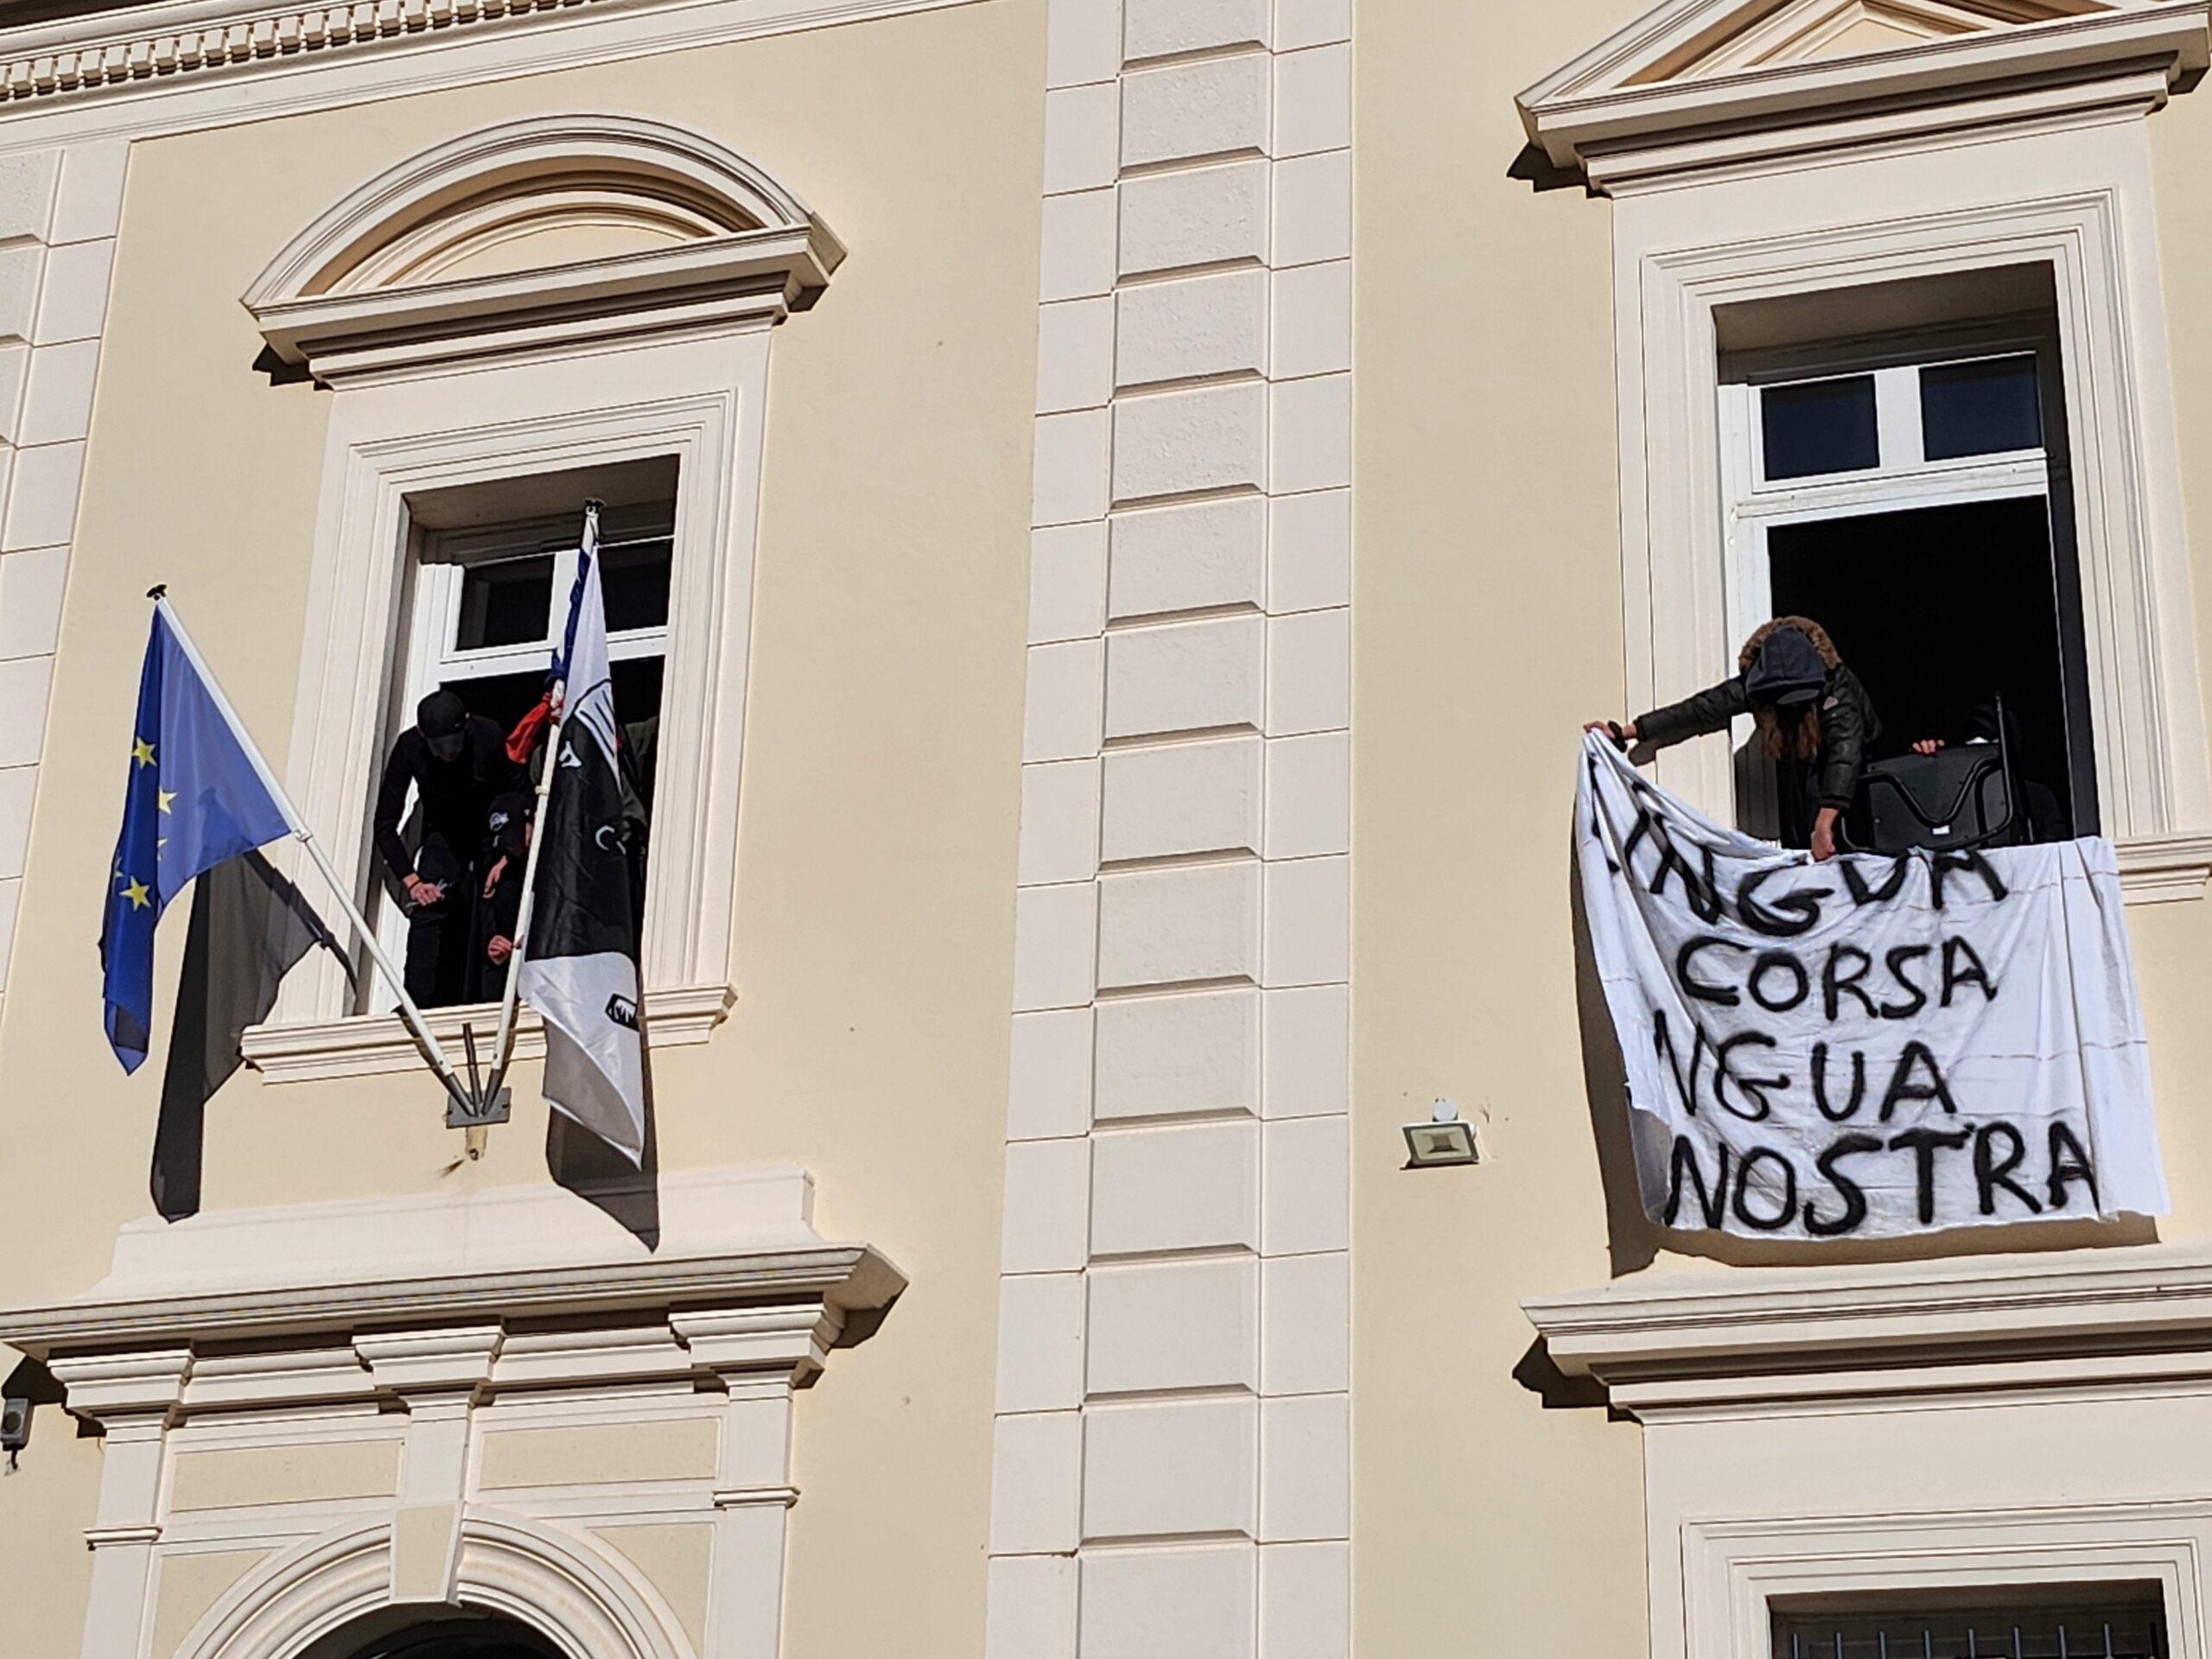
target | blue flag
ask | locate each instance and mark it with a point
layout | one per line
(194, 798)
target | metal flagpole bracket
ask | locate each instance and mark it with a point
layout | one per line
(481, 1110)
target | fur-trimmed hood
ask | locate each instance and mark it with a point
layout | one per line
(1812, 631)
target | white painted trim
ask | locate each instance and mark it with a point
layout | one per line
(1733, 1569)
(553, 1581)
(1642, 89)
(700, 401)
(362, 1046)
(120, 55)
(2079, 202)
(748, 251)
(1964, 1310)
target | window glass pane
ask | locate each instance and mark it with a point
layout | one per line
(633, 577)
(507, 603)
(1821, 426)
(1985, 408)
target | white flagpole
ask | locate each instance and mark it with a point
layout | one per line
(588, 553)
(408, 1012)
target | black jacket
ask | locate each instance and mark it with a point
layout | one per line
(1849, 727)
(456, 794)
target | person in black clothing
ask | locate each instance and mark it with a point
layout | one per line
(1814, 716)
(458, 765)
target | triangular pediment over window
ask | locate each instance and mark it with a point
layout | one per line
(1705, 82)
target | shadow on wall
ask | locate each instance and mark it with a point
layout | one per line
(1634, 1241)
(1540, 173)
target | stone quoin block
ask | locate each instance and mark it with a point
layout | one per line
(1036, 1483)
(1189, 328)
(1182, 798)
(1194, 1603)
(1183, 1466)
(1312, 211)
(1199, 216)
(1309, 922)
(1163, 28)
(1067, 581)
(1306, 1467)
(1305, 1186)
(1055, 946)
(1047, 1227)
(1306, 1051)
(1306, 1324)
(1191, 677)
(1175, 926)
(1075, 355)
(1077, 249)
(1178, 1056)
(1195, 557)
(1048, 1081)
(1060, 823)
(1180, 443)
(1040, 1342)
(1066, 700)
(1186, 1188)
(1309, 794)
(1309, 551)
(1186, 111)
(1173, 1324)
(1030, 1608)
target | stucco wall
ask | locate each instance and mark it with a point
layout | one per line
(1488, 607)
(874, 925)
(1486, 599)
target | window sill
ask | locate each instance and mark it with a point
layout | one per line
(366, 1043)
(2164, 869)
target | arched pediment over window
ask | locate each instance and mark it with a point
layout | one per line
(543, 234)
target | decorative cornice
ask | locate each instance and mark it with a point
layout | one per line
(2164, 869)
(1596, 118)
(1739, 1337)
(145, 43)
(843, 1275)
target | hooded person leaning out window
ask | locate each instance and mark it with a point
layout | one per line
(1814, 720)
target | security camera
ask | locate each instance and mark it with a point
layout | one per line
(14, 1425)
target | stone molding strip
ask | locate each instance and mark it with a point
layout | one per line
(190, 37)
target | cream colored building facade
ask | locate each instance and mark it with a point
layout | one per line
(1153, 489)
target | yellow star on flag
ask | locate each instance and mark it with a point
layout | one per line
(138, 894)
(163, 796)
(142, 752)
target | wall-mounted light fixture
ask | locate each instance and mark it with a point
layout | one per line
(1441, 1142)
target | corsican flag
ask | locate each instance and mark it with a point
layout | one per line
(580, 969)
(196, 796)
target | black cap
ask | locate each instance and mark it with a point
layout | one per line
(441, 717)
(1788, 672)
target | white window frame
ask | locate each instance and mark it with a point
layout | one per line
(697, 400)
(1903, 479)
(2076, 197)
(434, 592)
(1733, 1570)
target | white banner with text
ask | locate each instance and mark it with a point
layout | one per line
(1869, 1047)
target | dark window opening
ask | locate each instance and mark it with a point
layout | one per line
(2125, 1621)
(1818, 427)
(504, 602)
(390, 1634)
(1940, 611)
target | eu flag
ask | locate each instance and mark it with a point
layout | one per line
(195, 797)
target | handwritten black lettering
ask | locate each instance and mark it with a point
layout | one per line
(1702, 991)
(1751, 1161)
(1821, 1085)
(1907, 1084)
(1946, 864)
(1955, 951)
(1795, 913)
(1852, 1194)
(1711, 1201)
(2069, 1162)
(1925, 1144)
(1792, 972)
(1989, 1173)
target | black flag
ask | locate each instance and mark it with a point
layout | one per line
(581, 967)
